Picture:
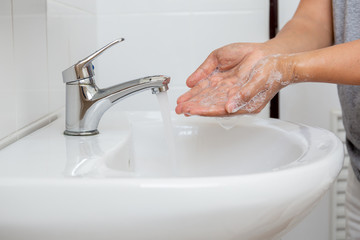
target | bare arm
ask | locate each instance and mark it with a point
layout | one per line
(243, 77)
(336, 64)
(310, 28)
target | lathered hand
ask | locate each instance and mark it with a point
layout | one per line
(235, 79)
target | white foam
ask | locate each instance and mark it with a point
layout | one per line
(227, 122)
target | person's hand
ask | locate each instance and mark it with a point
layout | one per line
(238, 78)
(266, 78)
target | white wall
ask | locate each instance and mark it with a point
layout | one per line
(39, 39)
(71, 36)
(8, 87)
(172, 38)
(311, 104)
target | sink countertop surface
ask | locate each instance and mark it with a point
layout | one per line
(46, 150)
(262, 180)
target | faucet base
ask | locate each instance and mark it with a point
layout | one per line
(88, 133)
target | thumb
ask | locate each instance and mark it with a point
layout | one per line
(203, 71)
(235, 103)
(242, 95)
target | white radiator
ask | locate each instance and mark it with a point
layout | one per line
(337, 211)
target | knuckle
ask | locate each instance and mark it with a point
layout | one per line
(258, 110)
(246, 96)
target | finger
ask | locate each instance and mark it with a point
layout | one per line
(203, 71)
(255, 104)
(202, 110)
(210, 102)
(221, 77)
(211, 83)
(245, 69)
(193, 91)
(258, 103)
(256, 85)
(178, 109)
(198, 99)
(240, 78)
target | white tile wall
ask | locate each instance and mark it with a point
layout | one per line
(39, 39)
(110, 7)
(173, 44)
(172, 38)
(29, 26)
(309, 103)
(7, 80)
(88, 6)
(71, 34)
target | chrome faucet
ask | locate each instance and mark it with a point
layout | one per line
(86, 103)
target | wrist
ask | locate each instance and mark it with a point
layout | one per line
(276, 46)
(299, 73)
(283, 66)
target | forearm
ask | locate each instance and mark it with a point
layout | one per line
(338, 64)
(309, 29)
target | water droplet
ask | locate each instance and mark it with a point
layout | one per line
(227, 122)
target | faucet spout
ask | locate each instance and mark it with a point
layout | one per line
(158, 83)
(86, 103)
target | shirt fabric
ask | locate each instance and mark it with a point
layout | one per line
(346, 20)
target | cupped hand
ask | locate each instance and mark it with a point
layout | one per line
(235, 79)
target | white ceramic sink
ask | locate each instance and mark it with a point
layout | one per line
(252, 182)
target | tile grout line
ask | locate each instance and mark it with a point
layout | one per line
(14, 75)
(182, 13)
(74, 7)
(47, 56)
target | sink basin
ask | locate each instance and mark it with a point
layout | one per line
(254, 181)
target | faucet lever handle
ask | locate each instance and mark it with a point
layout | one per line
(87, 61)
(83, 68)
